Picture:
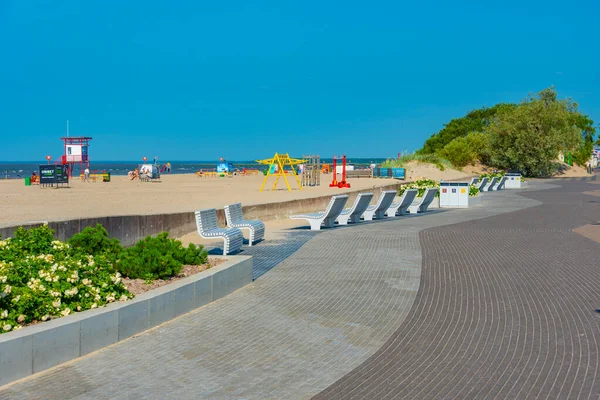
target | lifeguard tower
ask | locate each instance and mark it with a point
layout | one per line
(76, 152)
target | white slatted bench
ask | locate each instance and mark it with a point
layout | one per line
(400, 207)
(235, 219)
(500, 185)
(208, 228)
(327, 217)
(482, 184)
(490, 186)
(378, 210)
(352, 215)
(425, 201)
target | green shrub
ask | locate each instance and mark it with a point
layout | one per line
(459, 152)
(95, 241)
(473, 191)
(530, 137)
(467, 150)
(421, 186)
(159, 257)
(480, 144)
(40, 279)
(475, 120)
(33, 241)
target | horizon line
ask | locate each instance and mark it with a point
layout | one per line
(168, 160)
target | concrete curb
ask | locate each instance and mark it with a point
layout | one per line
(39, 347)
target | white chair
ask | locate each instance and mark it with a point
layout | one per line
(423, 204)
(400, 207)
(235, 219)
(474, 181)
(500, 185)
(482, 184)
(327, 217)
(378, 210)
(490, 186)
(208, 228)
(352, 215)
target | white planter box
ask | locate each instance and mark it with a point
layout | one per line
(475, 201)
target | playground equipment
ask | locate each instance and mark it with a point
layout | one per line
(334, 181)
(276, 167)
(223, 167)
(76, 152)
(311, 171)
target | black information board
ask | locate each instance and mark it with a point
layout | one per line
(51, 175)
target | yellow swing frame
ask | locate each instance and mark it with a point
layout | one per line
(281, 160)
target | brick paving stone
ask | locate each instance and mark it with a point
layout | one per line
(333, 300)
(507, 308)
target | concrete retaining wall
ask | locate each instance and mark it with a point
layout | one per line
(39, 347)
(129, 229)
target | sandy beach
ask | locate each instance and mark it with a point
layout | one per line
(177, 193)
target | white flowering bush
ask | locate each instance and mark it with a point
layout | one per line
(421, 185)
(41, 278)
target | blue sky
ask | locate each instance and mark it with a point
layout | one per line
(198, 80)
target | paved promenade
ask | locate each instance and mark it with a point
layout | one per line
(509, 308)
(495, 301)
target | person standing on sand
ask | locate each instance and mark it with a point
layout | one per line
(86, 175)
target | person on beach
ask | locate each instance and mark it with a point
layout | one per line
(86, 174)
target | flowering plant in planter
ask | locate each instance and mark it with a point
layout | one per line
(473, 191)
(491, 175)
(421, 185)
(42, 278)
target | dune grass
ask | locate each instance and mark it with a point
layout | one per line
(405, 158)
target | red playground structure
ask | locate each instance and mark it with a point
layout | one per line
(76, 152)
(334, 182)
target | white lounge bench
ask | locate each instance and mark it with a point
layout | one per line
(500, 185)
(235, 219)
(327, 217)
(208, 228)
(378, 210)
(490, 186)
(482, 184)
(400, 207)
(474, 181)
(425, 201)
(352, 215)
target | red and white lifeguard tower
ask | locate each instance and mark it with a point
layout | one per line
(76, 152)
